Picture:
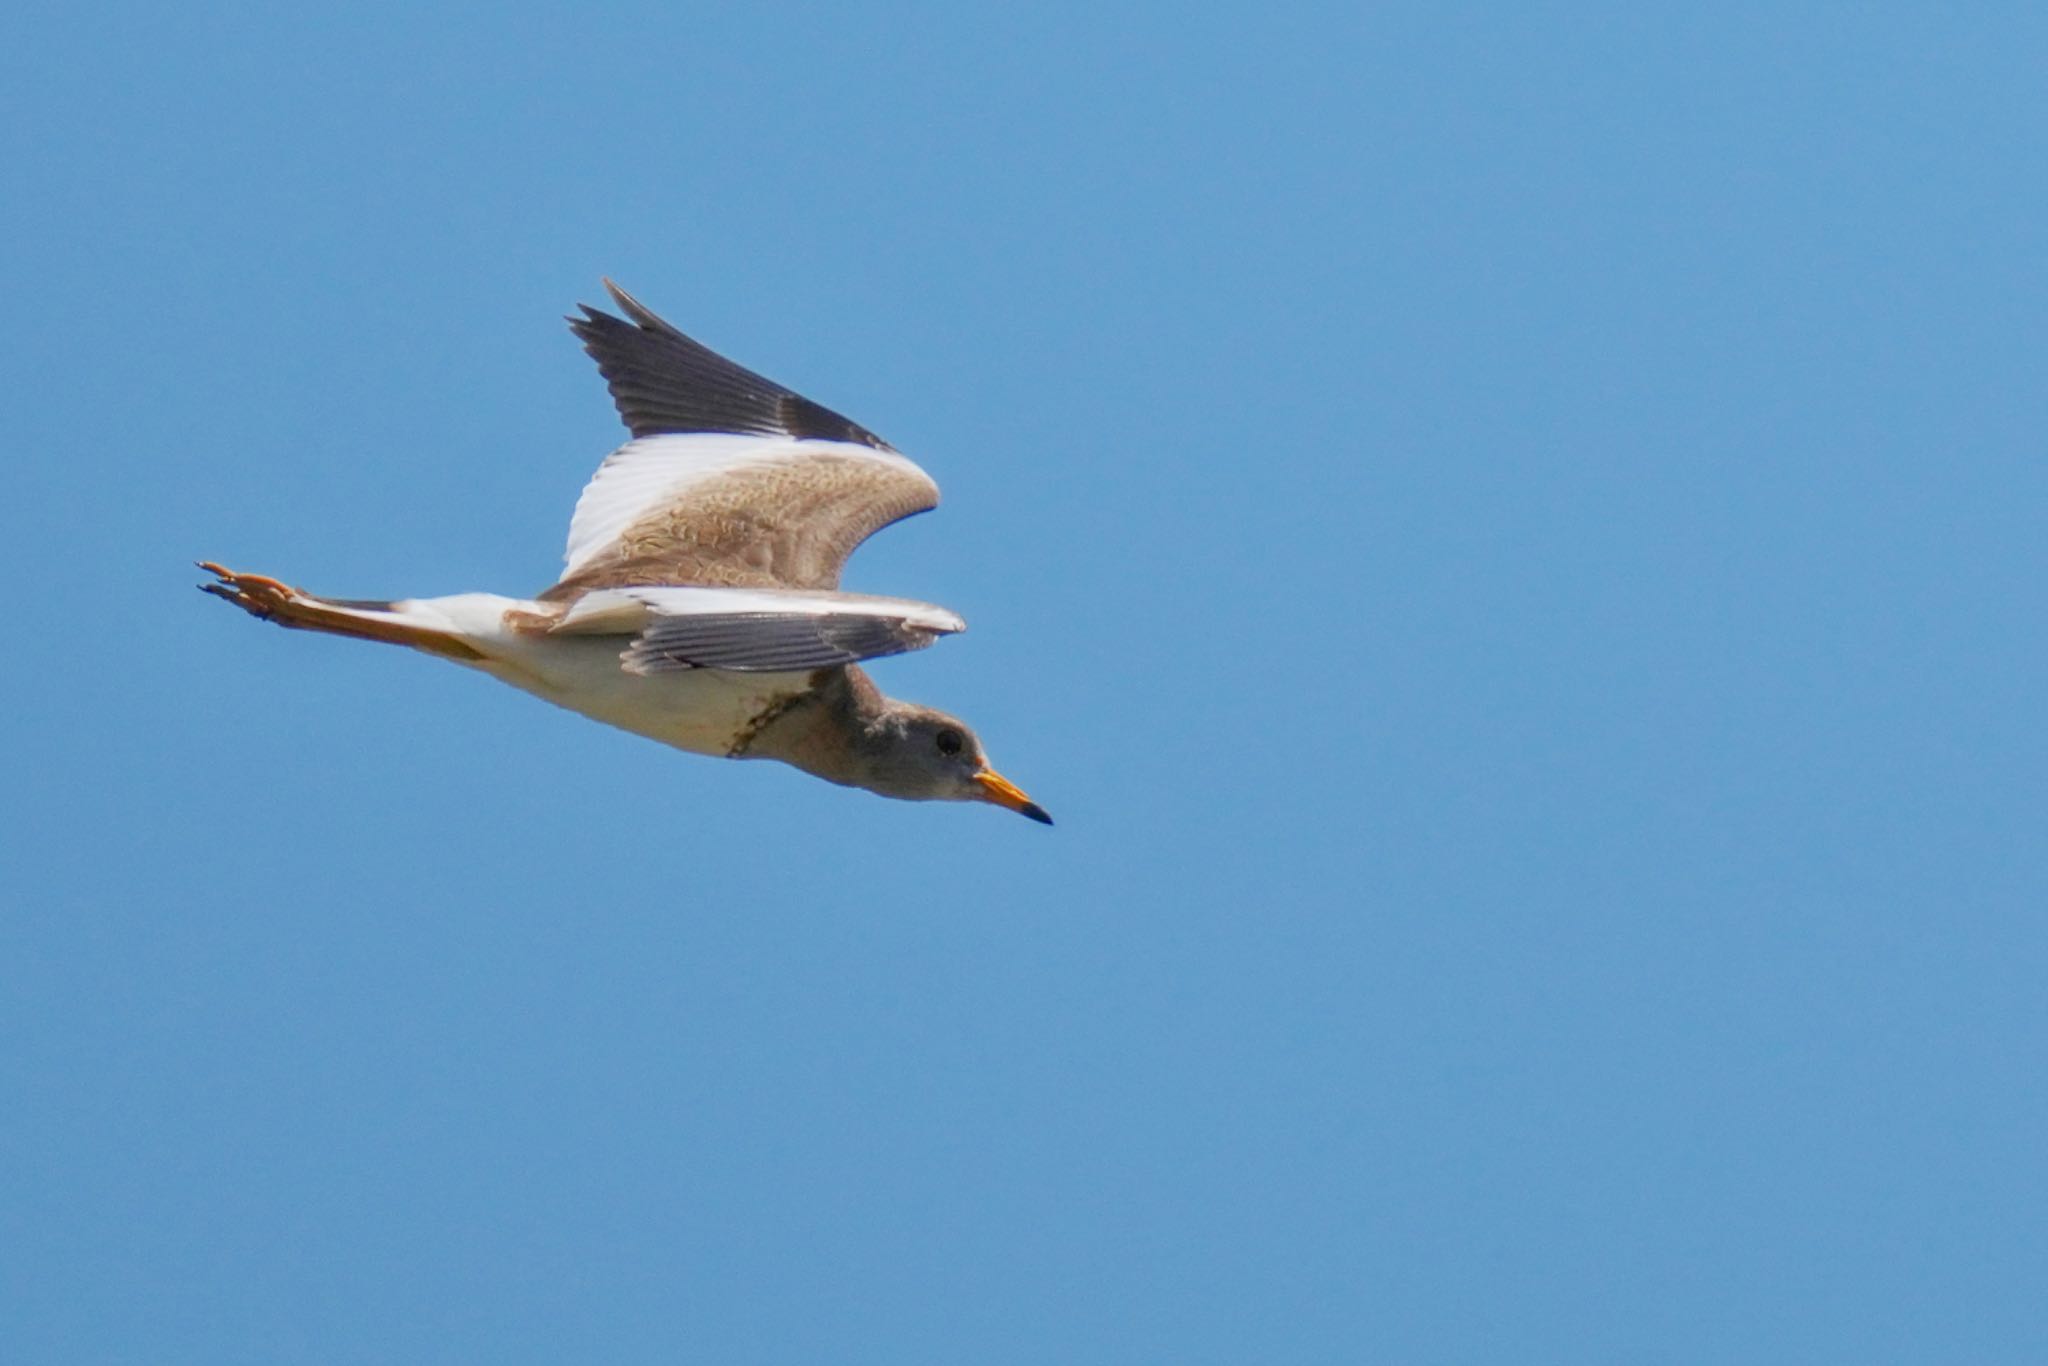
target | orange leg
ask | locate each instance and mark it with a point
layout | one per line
(267, 599)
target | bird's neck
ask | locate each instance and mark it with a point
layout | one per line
(828, 731)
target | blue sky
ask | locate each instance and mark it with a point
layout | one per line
(1510, 539)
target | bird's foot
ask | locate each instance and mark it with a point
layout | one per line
(259, 595)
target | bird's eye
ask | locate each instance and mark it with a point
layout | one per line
(950, 741)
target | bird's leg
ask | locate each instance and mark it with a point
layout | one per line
(267, 599)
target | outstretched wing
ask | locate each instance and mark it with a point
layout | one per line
(730, 479)
(754, 630)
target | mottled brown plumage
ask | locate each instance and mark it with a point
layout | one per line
(784, 526)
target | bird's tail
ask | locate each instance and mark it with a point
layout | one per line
(269, 600)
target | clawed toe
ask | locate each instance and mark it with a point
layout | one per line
(257, 594)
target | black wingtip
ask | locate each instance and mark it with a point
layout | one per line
(640, 313)
(1035, 812)
(664, 382)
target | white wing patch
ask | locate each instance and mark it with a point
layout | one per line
(648, 473)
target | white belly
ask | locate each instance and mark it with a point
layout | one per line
(705, 711)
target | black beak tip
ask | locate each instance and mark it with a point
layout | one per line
(1036, 812)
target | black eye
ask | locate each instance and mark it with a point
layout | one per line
(950, 741)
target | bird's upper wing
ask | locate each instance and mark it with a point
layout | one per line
(753, 630)
(730, 479)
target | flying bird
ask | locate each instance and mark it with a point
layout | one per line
(700, 604)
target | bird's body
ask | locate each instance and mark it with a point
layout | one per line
(703, 711)
(699, 605)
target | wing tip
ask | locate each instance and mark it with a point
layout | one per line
(663, 381)
(637, 313)
(645, 317)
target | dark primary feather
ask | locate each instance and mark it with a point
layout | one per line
(661, 381)
(770, 642)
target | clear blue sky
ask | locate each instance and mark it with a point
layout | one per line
(1512, 542)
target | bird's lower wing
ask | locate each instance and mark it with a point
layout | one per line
(753, 630)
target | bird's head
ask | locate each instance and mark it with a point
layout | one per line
(919, 754)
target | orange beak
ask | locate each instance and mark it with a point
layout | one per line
(1003, 792)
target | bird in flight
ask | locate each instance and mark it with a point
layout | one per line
(700, 605)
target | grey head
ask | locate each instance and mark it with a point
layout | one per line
(921, 754)
(847, 732)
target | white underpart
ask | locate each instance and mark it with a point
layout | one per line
(627, 610)
(646, 474)
(577, 666)
(701, 710)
